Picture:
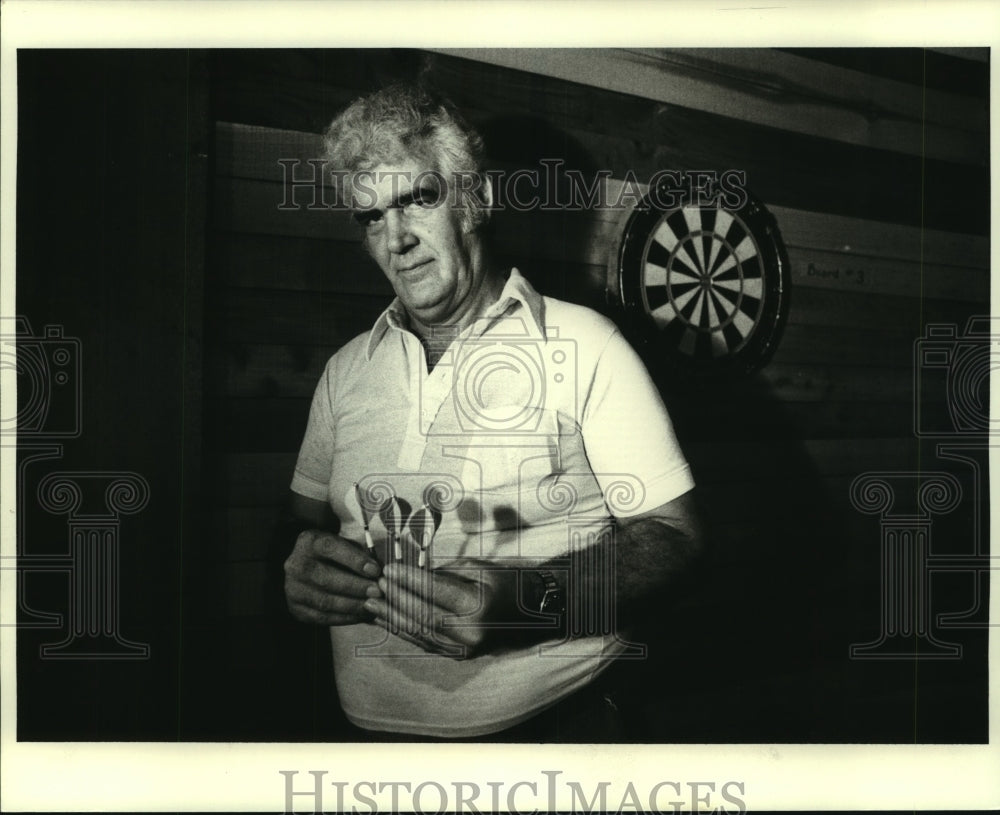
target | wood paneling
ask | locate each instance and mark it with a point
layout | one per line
(291, 371)
(252, 479)
(526, 116)
(858, 347)
(621, 133)
(825, 250)
(246, 589)
(832, 257)
(847, 234)
(768, 87)
(255, 370)
(962, 71)
(297, 316)
(861, 169)
(256, 261)
(874, 165)
(271, 424)
(853, 271)
(248, 488)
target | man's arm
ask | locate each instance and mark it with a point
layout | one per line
(651, 552)
(327, 577)
(498, 607)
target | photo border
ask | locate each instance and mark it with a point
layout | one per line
(246, 777)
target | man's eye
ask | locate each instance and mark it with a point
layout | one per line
(368, 219)
(423, 198)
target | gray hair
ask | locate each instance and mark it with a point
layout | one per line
(402, 121)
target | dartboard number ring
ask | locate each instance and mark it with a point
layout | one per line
(710, 283)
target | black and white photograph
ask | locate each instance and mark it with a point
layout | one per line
(497, 423)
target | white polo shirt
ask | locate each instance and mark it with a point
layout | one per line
(536, 429)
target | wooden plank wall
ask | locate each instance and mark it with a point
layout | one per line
(873, 162)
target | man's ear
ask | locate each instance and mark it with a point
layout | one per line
(485, 194)
(355, 228)
(366, 245)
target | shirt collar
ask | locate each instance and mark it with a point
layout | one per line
(516, 291)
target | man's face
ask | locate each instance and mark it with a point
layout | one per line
(420, 241)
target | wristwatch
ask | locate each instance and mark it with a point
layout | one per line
(553, 600)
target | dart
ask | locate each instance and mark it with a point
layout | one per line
(363, 514)
(393, 514)
(421, 527)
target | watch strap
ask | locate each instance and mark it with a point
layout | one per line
(553, 600)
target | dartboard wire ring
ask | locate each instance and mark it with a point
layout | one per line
(706, 297)
(709, 276)
(755, 225)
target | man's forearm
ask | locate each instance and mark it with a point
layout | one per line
(633, 564)
(652, 555)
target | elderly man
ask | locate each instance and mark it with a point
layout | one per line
(489, 483)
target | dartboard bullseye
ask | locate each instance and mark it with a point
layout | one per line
(711, 283)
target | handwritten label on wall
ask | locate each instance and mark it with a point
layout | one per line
(847, 274)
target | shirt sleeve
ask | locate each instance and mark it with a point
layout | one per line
(628, 435)
(315, 461)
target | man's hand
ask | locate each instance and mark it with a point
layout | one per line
(456, 612)
(328, 578)
(474, 607)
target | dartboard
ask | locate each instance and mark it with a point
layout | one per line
(710, 283)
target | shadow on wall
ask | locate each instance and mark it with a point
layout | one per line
(743, 653)
(534, 227)
(732, 655)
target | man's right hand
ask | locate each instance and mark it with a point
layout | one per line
(328, 578)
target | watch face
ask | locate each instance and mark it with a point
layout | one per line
(552, 602)
(709, 283)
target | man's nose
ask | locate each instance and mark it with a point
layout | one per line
(399, 238)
